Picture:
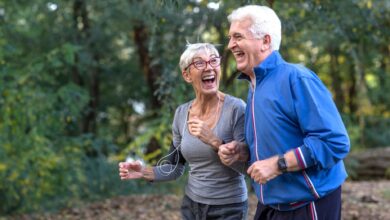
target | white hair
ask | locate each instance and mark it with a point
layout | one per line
(264, 21)
(195, 49)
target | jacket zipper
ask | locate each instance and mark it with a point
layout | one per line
(255, 132)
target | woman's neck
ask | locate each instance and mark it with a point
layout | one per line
(207, 108)
(204, 104)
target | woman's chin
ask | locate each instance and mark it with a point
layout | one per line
(209, 91)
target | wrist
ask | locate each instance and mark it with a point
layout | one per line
(147, 173)
(282, 163)
(243, 153)
(216, 143)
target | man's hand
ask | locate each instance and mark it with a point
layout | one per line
(263, 171)
(232, 152)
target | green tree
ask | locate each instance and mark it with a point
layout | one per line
(85, 83)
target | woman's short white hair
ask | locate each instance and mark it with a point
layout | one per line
(264, 21)
(195, 49)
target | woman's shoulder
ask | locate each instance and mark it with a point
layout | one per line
(234, 102)
(183, 108)
(234, 105)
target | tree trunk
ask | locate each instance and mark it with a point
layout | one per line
(151, 73)
(383, 75)
(225, 53)
(352, 92)
(76, 76)
(82, 25)
(336, 79)
(270, 3)
(362, 98)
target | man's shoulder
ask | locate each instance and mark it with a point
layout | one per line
(296, 71)
(294, 68)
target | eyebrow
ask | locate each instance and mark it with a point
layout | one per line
(237, 34)
(196, 58)
(211, 56)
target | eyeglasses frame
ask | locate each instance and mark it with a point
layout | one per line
(207, 62)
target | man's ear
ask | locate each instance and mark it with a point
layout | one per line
(266, 43)
(186, 76)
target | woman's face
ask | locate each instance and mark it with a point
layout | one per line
(204, 73)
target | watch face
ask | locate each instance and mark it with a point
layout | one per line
(282, 164)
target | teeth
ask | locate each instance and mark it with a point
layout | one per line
(208, 77)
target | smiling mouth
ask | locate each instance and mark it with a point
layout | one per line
(208, 80)
(238, 54)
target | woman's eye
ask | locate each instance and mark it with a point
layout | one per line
(199, 63)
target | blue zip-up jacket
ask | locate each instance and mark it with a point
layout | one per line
(289, 108)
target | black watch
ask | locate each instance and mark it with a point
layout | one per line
(282, 165)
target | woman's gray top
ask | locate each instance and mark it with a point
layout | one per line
(209, 182)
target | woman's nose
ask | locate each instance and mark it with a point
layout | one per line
(208, 66)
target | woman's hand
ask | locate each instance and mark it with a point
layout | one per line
(201, 130)
(232, 152)
(131, 170)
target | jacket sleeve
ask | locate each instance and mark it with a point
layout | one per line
(326, 141)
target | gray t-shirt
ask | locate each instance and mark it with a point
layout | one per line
(209, 181)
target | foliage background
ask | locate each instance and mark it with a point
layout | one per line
(85, 84)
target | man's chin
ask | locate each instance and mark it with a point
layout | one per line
(241, 64)
(241, 68)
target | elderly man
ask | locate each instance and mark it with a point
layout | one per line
(294, 133)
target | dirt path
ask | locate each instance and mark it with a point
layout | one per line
(361, 200)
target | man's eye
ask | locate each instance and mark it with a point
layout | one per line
(237, 37)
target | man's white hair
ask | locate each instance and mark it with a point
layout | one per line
(195, 49)
(264, 21)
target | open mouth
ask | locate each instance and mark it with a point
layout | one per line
(238, 54)
(208, 80)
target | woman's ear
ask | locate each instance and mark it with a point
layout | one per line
(186, 76)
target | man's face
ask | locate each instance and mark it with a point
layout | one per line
(245, 48)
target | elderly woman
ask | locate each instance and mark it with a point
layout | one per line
(200, 126)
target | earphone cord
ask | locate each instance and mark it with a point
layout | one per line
(164, 159)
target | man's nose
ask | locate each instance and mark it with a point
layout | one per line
(231, 44)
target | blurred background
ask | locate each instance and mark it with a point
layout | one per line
(85, 84)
